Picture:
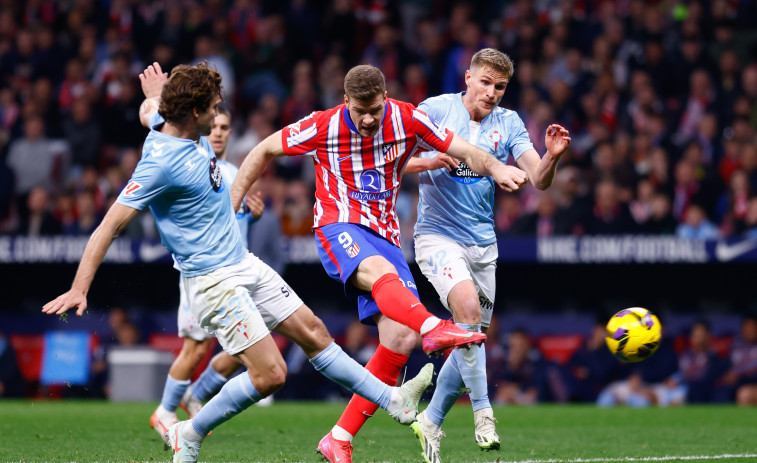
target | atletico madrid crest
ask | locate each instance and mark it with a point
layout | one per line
(390, 151)
(353, 250)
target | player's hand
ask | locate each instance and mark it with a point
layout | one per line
(443, 160)
(557, 139)
(61, 304)
(153, 79)
(509, 178)
(254, 201)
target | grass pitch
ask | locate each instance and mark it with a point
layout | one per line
(90, 431)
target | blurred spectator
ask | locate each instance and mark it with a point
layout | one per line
(75, 85)
(732, 205)
(39, 220)
(297, 213)
(387, 53)
(82, 132)
(686, 186)
(610, 216)
(699, 365)
(11, 381)
(35, 161)
(524, 378)
(591, 367)
(661, 220)
(749, 224)
(655, 381)
(740, 380)
(547, 220)
(468, 36)
(696, 226)
(302, 101)
(207, 49)
(506, 212)
(87, 218)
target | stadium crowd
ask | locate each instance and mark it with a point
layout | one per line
(660, 99)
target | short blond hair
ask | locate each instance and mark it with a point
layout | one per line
(494, 59)
(364, 82)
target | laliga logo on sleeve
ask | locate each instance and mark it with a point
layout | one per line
(215, 175)
(294, 129)
(131, 188)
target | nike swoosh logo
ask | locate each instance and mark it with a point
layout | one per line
(367, 414)
(725, 252)
(417, 303)
(176, 443)
(342, 159)
(337, 458)
(466, 335)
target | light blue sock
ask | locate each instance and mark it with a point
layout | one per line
(339, 367)
(235, 396)
(173, 392)
(207, 384)
(472, 365)
(449, 386)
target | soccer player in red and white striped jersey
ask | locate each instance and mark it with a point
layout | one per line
(360, 150)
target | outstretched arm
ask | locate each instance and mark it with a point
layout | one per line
(541, 171)
(441, 160)
(113, 223)
(509, 178)
(254, 165)
(153, 79)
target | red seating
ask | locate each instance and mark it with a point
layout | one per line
(29, 349)
(166, 343)
(172, 343)
(721, 345)
(559, 347)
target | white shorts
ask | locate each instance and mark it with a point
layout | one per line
(189, 327)
(240, 303)
(446, 263)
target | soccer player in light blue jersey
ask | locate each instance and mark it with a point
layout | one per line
(177, 390)
(455, 244)
(230, 291)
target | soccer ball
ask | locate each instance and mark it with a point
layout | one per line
(633, 334)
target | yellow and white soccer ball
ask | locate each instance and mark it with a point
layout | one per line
(633, 334)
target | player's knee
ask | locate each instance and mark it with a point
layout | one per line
(193, 351)
(270, 381)
(468, 311)
(315, 337)
(403, 342)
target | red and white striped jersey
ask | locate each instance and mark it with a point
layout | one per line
(358, 178)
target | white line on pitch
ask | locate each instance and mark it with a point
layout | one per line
(632, 459)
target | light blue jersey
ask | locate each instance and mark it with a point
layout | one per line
(181, 182)
(459, 204)
(229, 172)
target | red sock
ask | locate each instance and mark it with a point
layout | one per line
(386, 366)
(399, 303)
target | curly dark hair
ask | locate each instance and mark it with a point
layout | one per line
(188, 88)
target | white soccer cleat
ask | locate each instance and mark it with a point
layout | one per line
(486, 435)
(410, 394)
(160, 420)
(190, 404)
(430, 437)
(184, 451)
(266, 401)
